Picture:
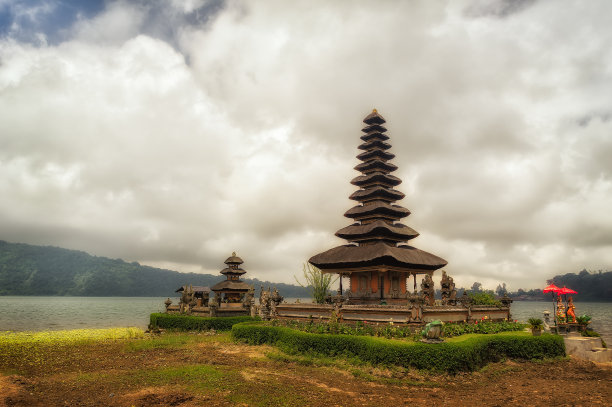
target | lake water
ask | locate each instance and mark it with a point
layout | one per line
(54, 313)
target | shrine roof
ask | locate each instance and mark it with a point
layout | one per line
(377, 254)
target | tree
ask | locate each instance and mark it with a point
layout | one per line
(476, 287)
(501, 289)
(318, 282)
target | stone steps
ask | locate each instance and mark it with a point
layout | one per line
(587, 348)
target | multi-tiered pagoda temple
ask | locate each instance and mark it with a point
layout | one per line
(377, 258)
(233, 289)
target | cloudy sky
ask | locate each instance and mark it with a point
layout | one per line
(174, 132)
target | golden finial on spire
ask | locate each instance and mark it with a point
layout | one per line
(233, 254)
(374, 111)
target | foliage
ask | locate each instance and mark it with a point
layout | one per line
(193, 323)
(480, 327)
(467, 355)
(535, 323)
(45, 270)
(583, 319)
(484, 298)
(317, 281)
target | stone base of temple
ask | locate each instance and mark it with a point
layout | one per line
(398, 314)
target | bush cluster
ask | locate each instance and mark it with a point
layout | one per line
(452, 357)
(482, 327)
(193, 323)
(397, 331)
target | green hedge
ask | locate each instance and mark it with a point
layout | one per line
(192, 323)
(468, 355)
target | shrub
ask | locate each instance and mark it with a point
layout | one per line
(535, 323)
(193, 323)
(484, 298)
(467, 355)
(482, 327)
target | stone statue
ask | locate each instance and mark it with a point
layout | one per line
(205, 298)
(560, 310)
(187, 299)
(427, 290)
(168, 303)
(264, 304)
(416, 309)
(571, 314)
(448, 291)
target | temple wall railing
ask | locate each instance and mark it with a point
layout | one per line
(392, 313)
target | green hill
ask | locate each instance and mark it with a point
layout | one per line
(46, 270)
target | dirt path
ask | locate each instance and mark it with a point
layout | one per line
(213, 371)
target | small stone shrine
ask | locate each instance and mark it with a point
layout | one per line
(232, 290)
(233, 297)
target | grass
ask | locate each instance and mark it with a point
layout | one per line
(68, 337)
(174, 340)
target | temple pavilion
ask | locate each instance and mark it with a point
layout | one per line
(232, 290)
(377, 258)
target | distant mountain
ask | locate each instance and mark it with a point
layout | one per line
(46, 270)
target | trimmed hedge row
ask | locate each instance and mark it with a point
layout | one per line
(468, 355)
(193, 323)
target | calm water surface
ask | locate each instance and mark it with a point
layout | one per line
(54, 313)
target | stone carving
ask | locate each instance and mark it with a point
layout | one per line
(264, 304)
(432, 332)
(571, 314)
(427, 290)
(448, 291)
(275, 299)
(168, 303)
(416, 307)
(187, 300)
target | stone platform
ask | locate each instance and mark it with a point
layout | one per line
(587, 348)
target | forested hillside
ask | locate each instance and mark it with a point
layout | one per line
(45, 270)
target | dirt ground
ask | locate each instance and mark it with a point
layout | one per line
(211, 370)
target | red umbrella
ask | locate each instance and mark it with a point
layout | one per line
(551, 288)
(566, 291)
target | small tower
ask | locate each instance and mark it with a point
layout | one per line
(377, 258)
(232, 290)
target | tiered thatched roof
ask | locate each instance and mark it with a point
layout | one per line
(377, 239)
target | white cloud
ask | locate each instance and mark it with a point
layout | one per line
(242, 136)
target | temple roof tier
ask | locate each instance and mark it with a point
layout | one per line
(376, 178)
(237, 271)
(375, 135)
(376, 153)
(229, 285)
(374, 127)
(378, 229)
(374, 118)
(376, 165)
(377, 254)
(370, 145)
(377, 209)
(382, 193)
(233, 259)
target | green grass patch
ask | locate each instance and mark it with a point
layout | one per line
(193, 323)
(464, 355)
(173, 340)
